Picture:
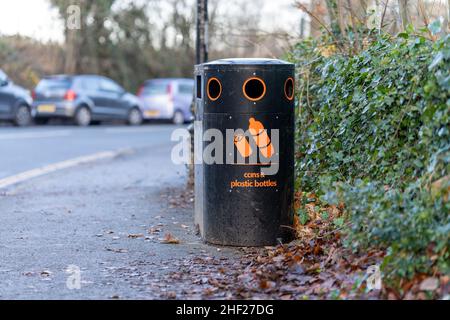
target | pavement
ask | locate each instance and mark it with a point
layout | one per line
(97, 229)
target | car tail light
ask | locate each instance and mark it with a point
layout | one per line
(33, 95)
(140, 91)
(170, 92)
(70, 95)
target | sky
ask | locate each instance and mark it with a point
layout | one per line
(32, 18)
(35, 18)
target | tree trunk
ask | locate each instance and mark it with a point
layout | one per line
(334, 18)
(448, 16)
(376, 10)
(342, 21)
(404, 13)
(362, 12)
(356, 44)
(315, 8)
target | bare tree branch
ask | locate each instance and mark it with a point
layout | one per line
(302, 7)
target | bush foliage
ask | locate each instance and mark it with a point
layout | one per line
(374, 133)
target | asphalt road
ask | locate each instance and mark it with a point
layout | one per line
(105, 219)
(29, 148)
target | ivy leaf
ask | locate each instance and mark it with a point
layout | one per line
(339, 222)
(436, 61)
(303, 216)
(376, 134)
(403, 35)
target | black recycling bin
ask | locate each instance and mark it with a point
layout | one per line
(245, 185)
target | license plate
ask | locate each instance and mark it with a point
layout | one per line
(46, 108)
(152, 113)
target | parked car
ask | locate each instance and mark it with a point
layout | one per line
(15, 102)
(167, 99)
(86, 99)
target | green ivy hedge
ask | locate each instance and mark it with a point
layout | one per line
(374, 133)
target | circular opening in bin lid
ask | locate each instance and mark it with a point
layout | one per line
(254, 89)
(214, 89)
(289, 89)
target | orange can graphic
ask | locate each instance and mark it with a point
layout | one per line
(261, 138)
(242, 145)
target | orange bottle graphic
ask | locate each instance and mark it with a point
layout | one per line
(261, 138)
(242, 145)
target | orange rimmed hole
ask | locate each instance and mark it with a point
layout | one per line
(289, 89)
(254, 89)
(214, 89)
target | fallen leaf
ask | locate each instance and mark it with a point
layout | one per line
(328, 284)
(429, 284)
(391, 296)
(117, 250)
(266, 284)
(154, 230)
(135, 236)
(46, 273)
(170, 239)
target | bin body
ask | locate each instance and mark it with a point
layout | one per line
(241, 204)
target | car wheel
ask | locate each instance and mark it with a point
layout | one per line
(83, 117)
(178, 118)
(23, 117)
(135, 117)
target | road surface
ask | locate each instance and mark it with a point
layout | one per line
(93, 230)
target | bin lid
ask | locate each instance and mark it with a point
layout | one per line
(247, 61)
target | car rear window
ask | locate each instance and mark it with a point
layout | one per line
(55, 84)
(156, 88)
(186, 88)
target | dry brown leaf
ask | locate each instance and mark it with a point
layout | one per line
(438, 185)
(135, 236)
(46, 273)
(154, 230)
(429, 284)
(117, 250)
(170, 239)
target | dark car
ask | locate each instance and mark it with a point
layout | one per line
(167, 99)
(85, 99)
(15, 102)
